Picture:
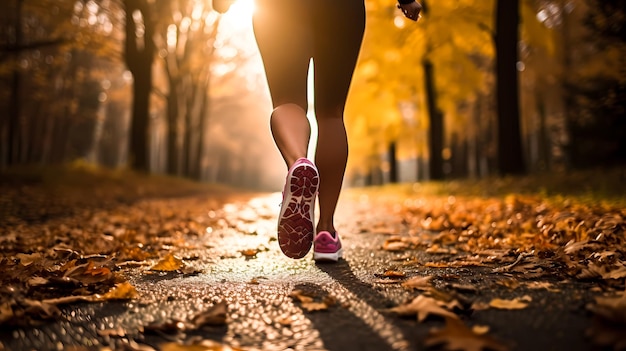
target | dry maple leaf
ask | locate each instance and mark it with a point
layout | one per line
(517, 303)
(456, 336)
(168, 263)
(422, 306)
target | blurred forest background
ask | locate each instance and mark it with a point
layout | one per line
(476, 88)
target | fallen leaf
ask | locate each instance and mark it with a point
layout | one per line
(27, 259)
(204, 345)
(168, 263)
(6, 313)
(394, 274)
(542, 285)
(250, 253)
(300, 296)
(419, 282)
(89, 273)
(515, 304)
(467, 288)
(422, 306)
(309, 303)
(216, 315)
(437, 264)
(509, 283)
(117, 332)
(314, 306)
(122, 291)
(436, 249)
(456, 336)
(480, 329)
(617, 273)
(37, 281)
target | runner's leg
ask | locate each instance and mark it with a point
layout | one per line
(339, 27)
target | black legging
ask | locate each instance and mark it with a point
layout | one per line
(291, 32)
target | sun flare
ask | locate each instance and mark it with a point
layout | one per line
(241, 10)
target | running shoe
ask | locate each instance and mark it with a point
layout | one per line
(327, 247)
(295, 223)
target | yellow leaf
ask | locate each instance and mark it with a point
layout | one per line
(168, 263)
(123, 291)
(515, 304)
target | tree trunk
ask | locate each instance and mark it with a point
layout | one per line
(204, 109)
(139, 56)
(393, 163)
(172, 130)
(15, 100)
(510, 154)
(189, 131)
(435, 118)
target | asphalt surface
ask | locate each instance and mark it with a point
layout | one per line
(263, 316)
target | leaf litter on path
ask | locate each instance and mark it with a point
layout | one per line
(456, 336)
(311, 303)
(422, 307)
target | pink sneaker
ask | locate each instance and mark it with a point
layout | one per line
(295, 223)
(327, 248)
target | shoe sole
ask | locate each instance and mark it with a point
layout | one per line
(295, 224)
(327, 257)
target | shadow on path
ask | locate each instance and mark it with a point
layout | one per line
(363, 324)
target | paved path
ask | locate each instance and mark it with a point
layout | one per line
(263, 316)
